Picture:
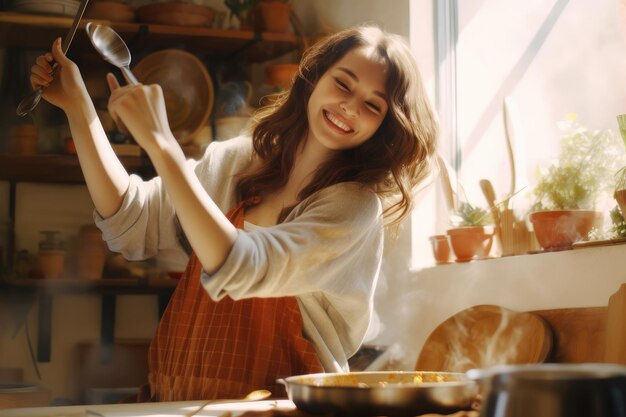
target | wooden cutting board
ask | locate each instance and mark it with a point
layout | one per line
(483, 336)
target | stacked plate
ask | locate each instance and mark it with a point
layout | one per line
(55, 7)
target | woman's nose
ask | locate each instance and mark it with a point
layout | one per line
(350, 108)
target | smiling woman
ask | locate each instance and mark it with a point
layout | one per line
(269, 285)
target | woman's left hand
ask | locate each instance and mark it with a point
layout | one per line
(141, 108)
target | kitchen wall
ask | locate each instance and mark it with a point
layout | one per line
(66, 207)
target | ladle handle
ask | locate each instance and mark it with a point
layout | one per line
(129, 76)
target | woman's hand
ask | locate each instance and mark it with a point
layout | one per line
(141, 108)
(63, 85)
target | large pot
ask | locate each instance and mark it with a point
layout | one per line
(559, 229)
(553, 390)
(381, 393)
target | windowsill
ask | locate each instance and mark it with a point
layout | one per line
(584, 277)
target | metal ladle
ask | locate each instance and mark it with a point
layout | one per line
(112, 48)
(29, 102)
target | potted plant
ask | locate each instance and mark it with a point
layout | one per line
(472, 234)
(620, 183)
(567, 193)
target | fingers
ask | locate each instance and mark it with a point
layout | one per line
(57, 53)
(41, 72)
(112, 81)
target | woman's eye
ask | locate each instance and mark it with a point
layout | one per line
(373, 107)
(342, 85)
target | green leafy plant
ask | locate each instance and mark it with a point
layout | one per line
(468, 215)
(584, 171)
(618, 227)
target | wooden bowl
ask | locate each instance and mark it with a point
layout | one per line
(110, 10)
(176, 14)
(187, 88)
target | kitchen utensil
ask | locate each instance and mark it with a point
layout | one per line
(381, 393)
(490, 195)
(256, 395)
(447, 184)
(187, 89)
(486, 335)
(553, 390)
(29, 102)
(510, 140)
(112, 48)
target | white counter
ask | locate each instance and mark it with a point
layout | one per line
(218, 408)
(423, 299)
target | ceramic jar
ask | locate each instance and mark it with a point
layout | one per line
(441, 248)
(91, 253)
(51, 258)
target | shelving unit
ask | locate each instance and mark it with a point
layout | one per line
(29, 31)
(37, 31)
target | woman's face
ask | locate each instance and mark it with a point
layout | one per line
(349, 102)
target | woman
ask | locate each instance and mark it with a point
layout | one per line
(282, 284)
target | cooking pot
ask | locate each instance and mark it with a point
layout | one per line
(381, 393)
(552, 390)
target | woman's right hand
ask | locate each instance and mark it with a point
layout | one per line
(63, 86)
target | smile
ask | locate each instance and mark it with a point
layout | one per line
(337, 123)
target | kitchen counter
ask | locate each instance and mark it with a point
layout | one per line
(216, 408)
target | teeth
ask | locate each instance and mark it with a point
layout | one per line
(338, 122)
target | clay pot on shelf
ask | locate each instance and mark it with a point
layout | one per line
(441, 249)
(51, 258)
(274, 16)
(559, 229)
(23, 139)
(471, 242)
(281, 75)
(91, 254)
(113, 11)
(176, 14)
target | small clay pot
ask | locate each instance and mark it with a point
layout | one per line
(471, 242)
(441, 248)
(274, 16)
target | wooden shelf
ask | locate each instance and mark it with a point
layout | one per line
(39, 31)
(52, 168)
(117, 286)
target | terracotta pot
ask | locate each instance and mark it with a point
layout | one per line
(176, 14)
(274, 16)
(110, 10)
(91, 253)
(620, 197)
(470, 243)
(281, 75)
(51, 263)
(441, 248)
(559, 229)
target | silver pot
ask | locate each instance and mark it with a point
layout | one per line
(381, 393)
(552, 390)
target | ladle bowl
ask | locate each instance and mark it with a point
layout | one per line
(112, 48)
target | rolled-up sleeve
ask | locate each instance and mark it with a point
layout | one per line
(332, 243)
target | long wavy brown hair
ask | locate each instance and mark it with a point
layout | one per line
(397, 157)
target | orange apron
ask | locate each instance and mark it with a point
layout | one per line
(206, 350)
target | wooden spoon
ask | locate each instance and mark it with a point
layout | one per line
(490, 195)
